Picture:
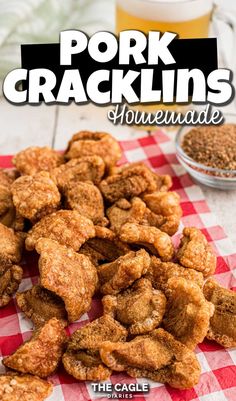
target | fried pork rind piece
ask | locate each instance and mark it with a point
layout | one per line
(104, 247)
(85, 365)
(223, 323)
(11, 245)
(162, 182)
(15, 387)
(35, 196)
(129, 183)
(40, 305)
(86, 143)
(68, 274)
(6, 179)
(124, 211)
(10, 279)
(160, 272)
(151, 238)
(167, 224)
(121, 273)
(157, 356)
(68, 227)
(8, 215)
(42, 353)
(195, 252)
(34, 159)
(86, 198)
(7, 209)
(82, 359)
(164, 211)
(140, 307)
(188, 313)
(87, 168)
(96, 332)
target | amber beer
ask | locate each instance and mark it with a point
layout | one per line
(188, 18)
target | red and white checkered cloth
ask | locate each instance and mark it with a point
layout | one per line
(218, 378)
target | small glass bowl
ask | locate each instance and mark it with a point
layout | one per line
(210, 176)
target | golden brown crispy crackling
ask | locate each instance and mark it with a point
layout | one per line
(188, 313)
(17, 387)
(129, 183)
(35, 159)
(104, 247)
(223, 323)
(35, 196)
(86, 198)
(167, 224)
(11, 245)
(68, 274)
(121, 273)
(124, 211)
(157, 356)
(8, 215)
(162, 182)
(5, 178)
(87, 168)
(86, 143)
(163, 211)
(41, 305)
(10, 279)
(82, 359)
(160, 272)
(140, 307)
(7, 209)
(42, 353)
(85, 365)
(195, 252)
(68, 227)
(164, 203)
(96, 332)
(156, 241)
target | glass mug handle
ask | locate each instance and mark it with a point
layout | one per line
(224, 27)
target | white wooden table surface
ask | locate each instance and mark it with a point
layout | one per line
(23, 126)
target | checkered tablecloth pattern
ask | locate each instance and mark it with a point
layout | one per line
(218, 378)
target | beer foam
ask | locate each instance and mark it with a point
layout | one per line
(167, 10)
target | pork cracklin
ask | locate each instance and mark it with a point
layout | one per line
(105, 247)
(87, 200)
(82, 359)
(35, 196)
(121, 273)
(87, 168)
(151, 238)
(140, 308)
(160, 272)
(195, 252)
(35, 159)
(188, 313)
(41, 354)
(68, 227)
(7, 210)
(40, 305)
(222, 326)
(104, 230)
(157, 356)
(68, 274)
(24, 387)
(86, 143)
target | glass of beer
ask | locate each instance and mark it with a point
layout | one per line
(187, 18)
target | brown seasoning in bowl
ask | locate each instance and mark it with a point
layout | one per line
(213, 146)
